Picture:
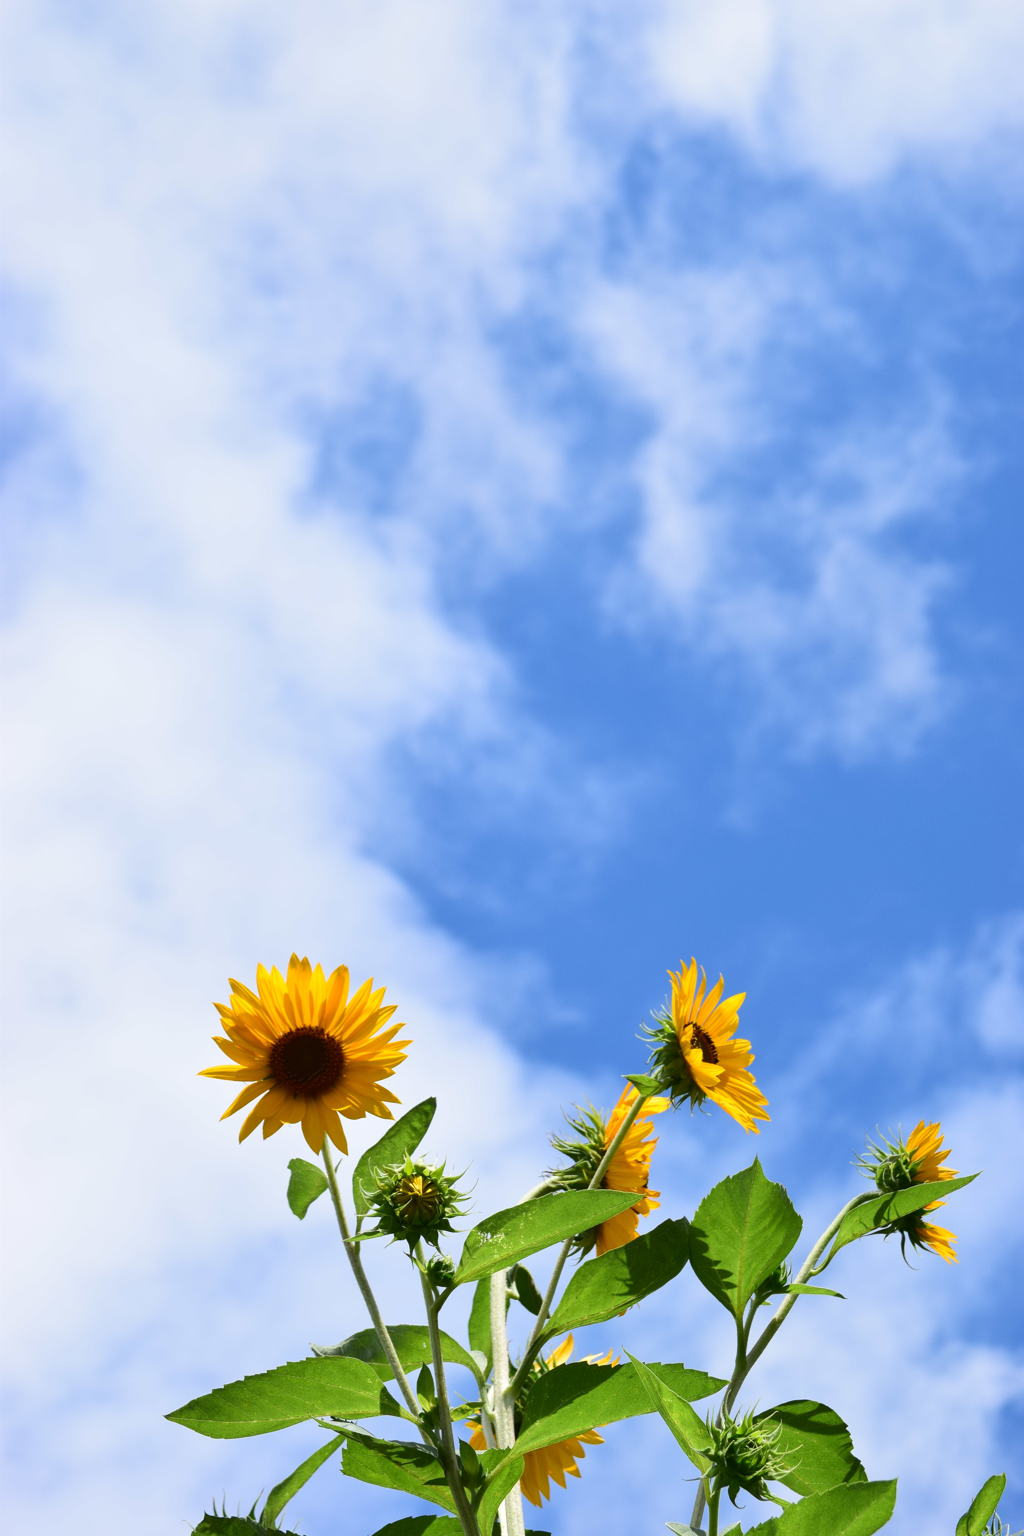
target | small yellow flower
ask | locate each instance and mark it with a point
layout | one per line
(308, 1052)
(630, 1168)
(696, 1055)
(552, 1462)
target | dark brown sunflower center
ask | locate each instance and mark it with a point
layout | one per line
(704, 1043)
(307, 1061)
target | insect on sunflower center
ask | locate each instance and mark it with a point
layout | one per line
(704, 1043)
(307, 1061)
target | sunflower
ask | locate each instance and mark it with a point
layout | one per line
(920, 1159)
(551, 1461)
(307, 1051)
(629, 1169)
(925, 1147)
(695, 1053)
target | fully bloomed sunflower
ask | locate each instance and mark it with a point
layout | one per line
(695, 1053)
(919, 1160)
(308, 1052)
(551, 1462)
(629, 1169)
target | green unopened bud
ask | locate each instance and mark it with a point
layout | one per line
(440, 1271)
(415, 1202)
(775, 1284)
(744, 1456)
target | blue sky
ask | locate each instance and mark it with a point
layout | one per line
(507, 501)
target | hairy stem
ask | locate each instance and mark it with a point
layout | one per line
(745, 1360)
(352, 1252)
(502, 1404)
(449, 1455)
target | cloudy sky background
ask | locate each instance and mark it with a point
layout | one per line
(506, 497)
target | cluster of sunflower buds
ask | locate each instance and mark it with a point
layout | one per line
(415, 1202)
(744, 1456)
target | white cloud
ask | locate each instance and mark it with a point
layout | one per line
(225, 221)
(849, 91)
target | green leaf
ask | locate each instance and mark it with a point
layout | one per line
(644, 1085)
(856, 1509)
(290, 1485)
(412, 1345)
(504, 1471)
(604, 1287)
(816, 1443)
(397, 1464)
(480, 1322)
(983, 1507)
(527, 1293)
(564, 1402)
(685, 1423)
(502, 1240)
(813, 1290)
(397, 1143)
(422, 1525)
(306, 1183)
(303, 1389)
(742, 1230)
(878, 1210)
(235, 1525)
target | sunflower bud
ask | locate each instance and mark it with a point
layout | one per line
(440, 1271)
(415, 1202)
(744, 1456)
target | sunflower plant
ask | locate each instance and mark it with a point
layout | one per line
(307, 1050)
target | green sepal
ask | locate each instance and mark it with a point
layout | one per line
(687, 1426)
(289, 1486)
(501, 1240)
(306, 1183)
(741, 1231)
(400, 1464)
(602, 1288)
(877, 1211)
(412, 1345)
(816, 1443)
(398, 1141)
(983, 1506)
(302, 1389)
(855, 1509)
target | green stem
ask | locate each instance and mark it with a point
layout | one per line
(510, 1514)
(352, 1252)
(556, 1273)
(746, 1361)
(713, 1512)
(449, 1455)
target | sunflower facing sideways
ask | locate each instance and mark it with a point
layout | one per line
(695, 1054)
(896, 1165)
(551, 1462)
(629, 1169)
(307, 1052)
